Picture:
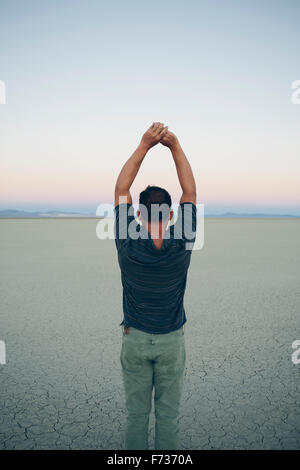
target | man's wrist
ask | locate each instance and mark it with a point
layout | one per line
(175, 147)
(143, 147)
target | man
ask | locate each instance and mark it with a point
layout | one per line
(154, 262)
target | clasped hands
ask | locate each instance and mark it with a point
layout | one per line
(158, 133)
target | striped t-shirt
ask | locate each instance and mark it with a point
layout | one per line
(154, 280)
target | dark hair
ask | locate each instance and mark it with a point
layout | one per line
(154, 195)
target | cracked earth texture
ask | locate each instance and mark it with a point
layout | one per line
(60, 312)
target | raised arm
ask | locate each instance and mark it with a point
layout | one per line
(130, 169)
(184, 170)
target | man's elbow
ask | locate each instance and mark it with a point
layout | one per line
(122, 196)
(189, 196)
(121, 191)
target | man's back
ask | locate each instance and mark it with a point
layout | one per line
(153, 279)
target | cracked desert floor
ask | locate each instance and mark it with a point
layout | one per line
(60, 302)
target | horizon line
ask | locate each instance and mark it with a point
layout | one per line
(59, 214)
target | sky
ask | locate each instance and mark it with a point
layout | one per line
(85, 79)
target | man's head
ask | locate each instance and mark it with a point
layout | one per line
(155, 205)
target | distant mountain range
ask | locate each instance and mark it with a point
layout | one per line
(253, 215)
(12, 213)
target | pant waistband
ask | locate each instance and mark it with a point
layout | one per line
(126, 330)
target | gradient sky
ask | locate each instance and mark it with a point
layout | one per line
(85, 79)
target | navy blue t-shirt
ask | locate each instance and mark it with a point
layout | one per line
(154, 280)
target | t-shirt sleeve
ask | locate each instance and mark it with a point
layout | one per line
(186, 224)
(124, 219)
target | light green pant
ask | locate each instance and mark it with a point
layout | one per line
(153, 361)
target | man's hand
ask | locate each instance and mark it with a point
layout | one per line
(130, 169)
(169, 140)
(154, 135)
